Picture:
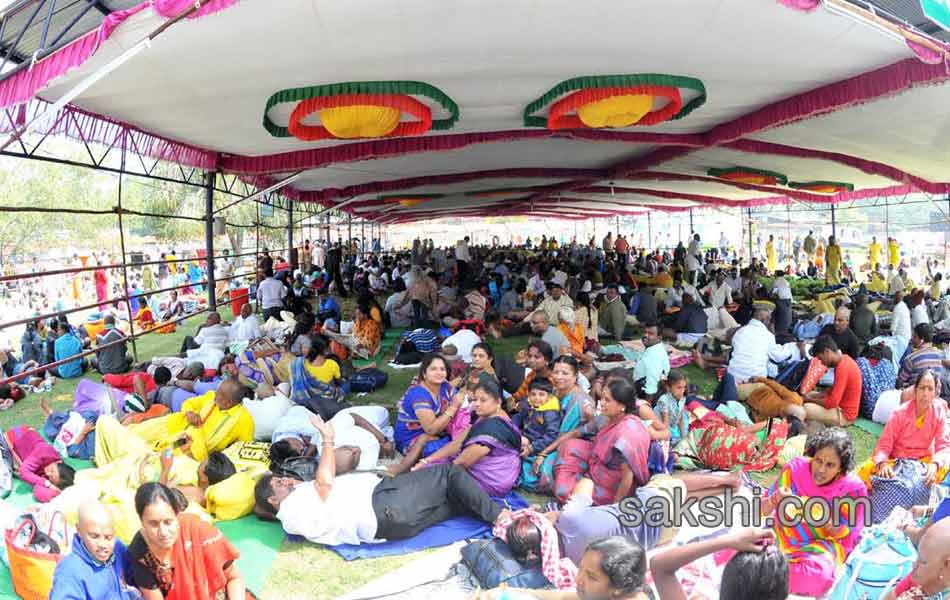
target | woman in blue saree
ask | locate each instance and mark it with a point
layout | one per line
(577, 407)
(428, 407)
(324, 399)
(490, 449)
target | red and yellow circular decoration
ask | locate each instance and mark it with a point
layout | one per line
(822, 187)
(615, 102)
(749, 176)
(361, 110)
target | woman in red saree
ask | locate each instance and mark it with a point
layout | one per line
(616, 461)
(178, 556)
(102, 286)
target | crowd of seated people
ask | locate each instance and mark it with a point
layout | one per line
(593, 409)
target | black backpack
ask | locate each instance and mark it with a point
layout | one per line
(492, 564)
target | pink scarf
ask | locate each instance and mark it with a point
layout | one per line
(559, 571)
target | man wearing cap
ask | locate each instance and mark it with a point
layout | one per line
(613, 315)
(554, 300)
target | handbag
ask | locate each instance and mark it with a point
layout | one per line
(30, 570)
(303, 468)
(492, 564)
(368, 380)
(907, 488)
(879, 562)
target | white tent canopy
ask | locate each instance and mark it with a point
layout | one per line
(813, 96)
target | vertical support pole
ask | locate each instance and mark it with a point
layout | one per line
(125, 271)
(349, 235)
(363, 237)
(209, 239)
(257, 248)
(946, 241)
(290, 235)
(788, 230)
(750, 234)
(692, 230)
(834, 224)
(887, 223)
(617, 221)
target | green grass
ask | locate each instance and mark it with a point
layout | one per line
(303, 570)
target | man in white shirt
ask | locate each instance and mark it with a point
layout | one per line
(361, 508)
(223, 269)
(463, 340)
(462, 259)
(245, 327)
(900, 320)
(751, 346)
(694, 259)
(783, 303)
(553, 302)
(270, 296)
(718, 291)
(654, 364)
(674, 295)
(211, 334)
(895, 282)
(318, 254)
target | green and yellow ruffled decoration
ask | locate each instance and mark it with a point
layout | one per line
(615, 101)
(822, 187)
(409, 200)
(749, 176)
(361, 110)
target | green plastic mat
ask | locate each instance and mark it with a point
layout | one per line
(871, 427)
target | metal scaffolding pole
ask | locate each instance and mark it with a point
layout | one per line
(291, 255)
(125, 270)
(257, 250)
(750, 234)
(788, 228)
(349, 235)
(692, 230)
(209, 238)
(363, 237)
(834, 224)
(887, 227)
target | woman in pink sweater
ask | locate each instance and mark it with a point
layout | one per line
(38, 463)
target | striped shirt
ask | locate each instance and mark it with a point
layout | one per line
(424, 340)
(919, 361)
